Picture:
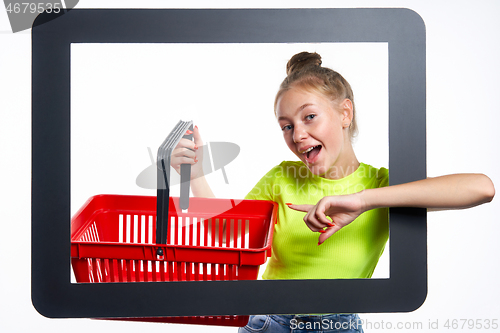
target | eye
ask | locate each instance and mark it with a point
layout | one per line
(310, 116)
(286, 128)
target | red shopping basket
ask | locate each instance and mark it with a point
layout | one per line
(113, 240)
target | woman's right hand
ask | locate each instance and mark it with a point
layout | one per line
(341, 209)
(189, 152)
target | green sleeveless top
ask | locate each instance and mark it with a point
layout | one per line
(352, 252)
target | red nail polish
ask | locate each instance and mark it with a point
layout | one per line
(195, 126)
(322, 231)
(331, 225)
(288, 204)
(319, 243)
(189, 132)
(195, 147)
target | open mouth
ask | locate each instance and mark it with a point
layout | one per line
(312, 153)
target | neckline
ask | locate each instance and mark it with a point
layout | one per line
(317, 178)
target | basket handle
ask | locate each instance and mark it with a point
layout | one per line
(186, 177)
(163, 180)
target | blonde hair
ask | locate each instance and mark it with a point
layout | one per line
(304, 71)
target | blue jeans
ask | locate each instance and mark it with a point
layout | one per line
(341, 323)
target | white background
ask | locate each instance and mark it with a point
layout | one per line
(463, 48)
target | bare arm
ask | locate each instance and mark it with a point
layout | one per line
(445, 192)
(201, 188)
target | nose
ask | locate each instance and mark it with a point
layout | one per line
(299, 133)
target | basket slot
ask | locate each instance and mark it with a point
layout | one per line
(205, 232)
(149, 236)
(184, 222)
(136, 229)
(143, 230)
(211, 231)
(191, 231)
(235, 233)
(242, 233)
(219, 232)
(94, 235)
(229, 225)
(91, 234)
(198, 233)
(120, 228)
(174, 236)
(131, 228)
(127, 229)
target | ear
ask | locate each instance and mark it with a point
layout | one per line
(347, 112)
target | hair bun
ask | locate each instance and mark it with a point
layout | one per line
(301, 60)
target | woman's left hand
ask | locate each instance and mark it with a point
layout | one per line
(342, 209)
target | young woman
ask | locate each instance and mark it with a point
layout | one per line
(338, 197)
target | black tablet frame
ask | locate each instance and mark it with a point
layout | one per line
(53, 295)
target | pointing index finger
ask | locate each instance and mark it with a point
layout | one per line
(300, 208)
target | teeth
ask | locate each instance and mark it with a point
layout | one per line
(308, 150)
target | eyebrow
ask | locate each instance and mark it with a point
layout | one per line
(302, 107)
